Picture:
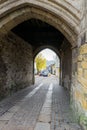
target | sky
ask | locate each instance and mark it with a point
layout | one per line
(48, 54)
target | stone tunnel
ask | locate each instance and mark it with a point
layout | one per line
(29, 26)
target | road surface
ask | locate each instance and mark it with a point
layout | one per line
(43, 106)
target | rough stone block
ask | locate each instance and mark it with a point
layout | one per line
(80, 72)
(80, 58)
(83, 81)
(84, 57)
(79, 64)
(84, 65)
(83, 49)
(85, 73)
(84, 103)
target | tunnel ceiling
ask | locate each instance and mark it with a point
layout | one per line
(39, 33)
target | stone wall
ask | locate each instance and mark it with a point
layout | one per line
(79, 84)
(66, 65)
(16, 70)
(74, 78)
(81, 93)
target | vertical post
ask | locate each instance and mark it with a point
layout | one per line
(60, 76)
(33, 76)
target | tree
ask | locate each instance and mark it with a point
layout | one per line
(40, 62)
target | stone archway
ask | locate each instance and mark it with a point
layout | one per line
(24, 10)
(66, 17)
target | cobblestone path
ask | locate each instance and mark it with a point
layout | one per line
(44, 106)
(62, 116)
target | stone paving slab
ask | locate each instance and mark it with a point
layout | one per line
(44, 118)
(42, 126)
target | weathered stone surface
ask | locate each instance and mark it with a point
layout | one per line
(80, 90)
(16, 70)
(80, 72)
(83, 49)
(67, 12)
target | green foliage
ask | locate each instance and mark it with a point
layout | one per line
(40, 62)
(83, 121)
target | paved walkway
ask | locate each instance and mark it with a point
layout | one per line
(62, 116)
(44, 106)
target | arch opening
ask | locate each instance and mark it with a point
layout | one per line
(26, 40)
(47, 63)
(41, 35)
